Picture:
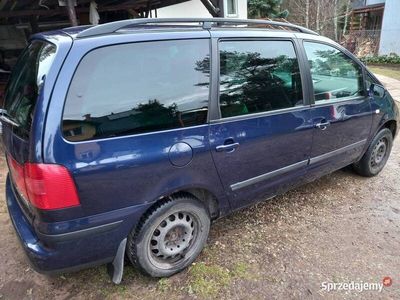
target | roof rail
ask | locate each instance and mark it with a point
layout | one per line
(206, 23)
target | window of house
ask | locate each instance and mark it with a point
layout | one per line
(258, 76)
(231, 7)
(137, 88)
(334, 74)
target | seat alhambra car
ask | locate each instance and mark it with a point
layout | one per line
(127, 139)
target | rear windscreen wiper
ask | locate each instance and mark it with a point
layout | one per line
(5, 117)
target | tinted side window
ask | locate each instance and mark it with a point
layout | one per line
(25, 83)
(334, 74)
(136, 88)
(258, 76)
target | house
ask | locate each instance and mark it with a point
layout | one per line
(199, 8)
(376, 25)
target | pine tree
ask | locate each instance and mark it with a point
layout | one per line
(266, 9)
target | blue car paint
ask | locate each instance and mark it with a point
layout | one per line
(64, 43)
(47, 255)
(347, 134)
(119, 178)
(263, 148)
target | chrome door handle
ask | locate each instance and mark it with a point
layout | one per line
(322, 125)
(228, 147)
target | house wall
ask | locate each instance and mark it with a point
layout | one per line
(372, 2)
(390, 35)
(196, 9)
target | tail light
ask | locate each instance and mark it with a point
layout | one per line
(17, 174)
(46, 186)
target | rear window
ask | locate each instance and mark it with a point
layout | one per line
(26, 80)
(136, 88)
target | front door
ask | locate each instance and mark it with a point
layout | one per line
(262, 140)
(342, 113)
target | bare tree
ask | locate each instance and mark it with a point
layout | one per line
(307, 13)
(346, 16)
(317, 15)
(335, 18)
(327, 17)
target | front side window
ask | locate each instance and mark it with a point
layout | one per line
(258, 76)
(334, 74)
(137, 88)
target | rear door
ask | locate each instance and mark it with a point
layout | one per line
(261, 140)
(342, 113)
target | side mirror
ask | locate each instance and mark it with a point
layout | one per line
(376, 90)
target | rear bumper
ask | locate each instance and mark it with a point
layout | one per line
(74, 250)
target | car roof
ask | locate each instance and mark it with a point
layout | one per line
(181, 24)
(182, 28)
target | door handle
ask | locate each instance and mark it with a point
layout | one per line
(322, 125)
(229, 147)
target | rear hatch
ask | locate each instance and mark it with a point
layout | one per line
(20, 99)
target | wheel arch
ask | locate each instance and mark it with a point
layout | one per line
(207, 198)
(201, 194)
(391, 125)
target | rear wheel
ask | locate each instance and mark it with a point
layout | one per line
(377, 154)
(170, 237)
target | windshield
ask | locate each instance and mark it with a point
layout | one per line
(25, 83)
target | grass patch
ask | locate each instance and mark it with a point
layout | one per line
(164, 285)
(240, 270)
(208, 280)
(389, 71)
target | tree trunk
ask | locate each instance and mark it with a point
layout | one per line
(335, 19)
(317, 16)
(307, 13)
(346, 17)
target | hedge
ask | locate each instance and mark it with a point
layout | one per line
(381, 59)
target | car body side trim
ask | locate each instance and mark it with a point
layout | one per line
(327, 155)
(269, 175)
(293, 167)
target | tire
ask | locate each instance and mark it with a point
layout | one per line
(377, 154)
(170, 236)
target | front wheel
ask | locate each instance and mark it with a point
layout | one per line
(377, 154)
(170, 237)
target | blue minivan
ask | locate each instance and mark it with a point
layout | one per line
(127, 139)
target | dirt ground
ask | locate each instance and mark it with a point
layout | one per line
(341, 228)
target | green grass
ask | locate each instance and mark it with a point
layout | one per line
(208, 280)
(389, 70)
(164, 284)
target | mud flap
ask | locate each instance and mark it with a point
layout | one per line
(116, 268)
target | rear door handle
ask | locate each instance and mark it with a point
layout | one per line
(229, 147)
(322, 125)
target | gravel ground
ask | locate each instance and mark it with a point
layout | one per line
(340, 228)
